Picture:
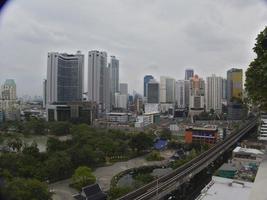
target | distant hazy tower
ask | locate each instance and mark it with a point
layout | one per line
(44, 93)
(9, 90)
(153, 91)
(214, 88)
(114, 77)
(189, 73)
(64, 77)
(167, 90)
(99, 79)
(234, 84)
(180, 93)
(147, 78)
(124, 88)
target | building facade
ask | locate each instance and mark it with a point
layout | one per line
(196, 95)
(153, 92)
(180, 93)
(234, 84)
(189, 73)
(114, 78)
(167, 90)
(147, 78)
(64, 77)
(98, 80)
(214, 91)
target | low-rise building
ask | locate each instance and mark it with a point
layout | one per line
(244, 157)
(203, 135)
(117, 117)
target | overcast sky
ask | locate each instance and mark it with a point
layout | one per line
(158, 37)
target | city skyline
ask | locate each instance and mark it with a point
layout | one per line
(190, 47)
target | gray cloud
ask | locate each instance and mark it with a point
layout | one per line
(149, 37)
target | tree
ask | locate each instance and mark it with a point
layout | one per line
(141, 142)
(15, 143)
(25, 189)
(256, 74)
(60, 128)
(82, 177)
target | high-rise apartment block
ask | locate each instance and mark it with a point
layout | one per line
(214, 91)
(234, 84)
(180, 93)
(167, 90)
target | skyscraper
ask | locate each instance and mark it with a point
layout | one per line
(114, 77)
(44, 93)
(64, 77)
(167, 89)
(214, 88)
(234, 84)
(98, 79)
(8, 90)
(147, 78)
(180, 93)
(186, 92)
(196, 95)
(224, 88)
(124, 88)
(189, 73)
(153, 91)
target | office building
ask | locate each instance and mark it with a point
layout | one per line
(180, 93)
(44, 93)
(214, 87)
(99, 80)
(9, 106)
(202, 135)
(224, 88)
(167, 90)
(8, 90)
(147, 78)
(196, 95)
(186, 92)
(114, 78)
(153, 91)
(124, 88)
(121, 100)
(64, 77)
(189, 73)
(234, 85)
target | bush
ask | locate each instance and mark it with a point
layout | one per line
(154, 156)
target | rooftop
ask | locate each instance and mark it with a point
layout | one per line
(247, 151)
(259, 191)
(224, 188)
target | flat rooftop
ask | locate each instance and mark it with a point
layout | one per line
(259, 191)
(223, 189)
(247, 151)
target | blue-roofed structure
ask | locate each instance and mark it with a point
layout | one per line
(161, 144)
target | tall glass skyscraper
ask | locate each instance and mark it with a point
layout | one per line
(189, 73)
(64, 77)
(147, 78)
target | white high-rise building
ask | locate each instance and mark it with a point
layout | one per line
(121, 100)
(64, 77)
(99, 79)
(214, 91)
(114, 78)
(44, 93)
(167, 90)
(180, 93)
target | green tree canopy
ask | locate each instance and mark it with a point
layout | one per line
(25, 189)
(256, 74)
(82, 177)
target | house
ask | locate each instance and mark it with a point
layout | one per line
(91, 192)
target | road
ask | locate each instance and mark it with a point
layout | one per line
(62, 191)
